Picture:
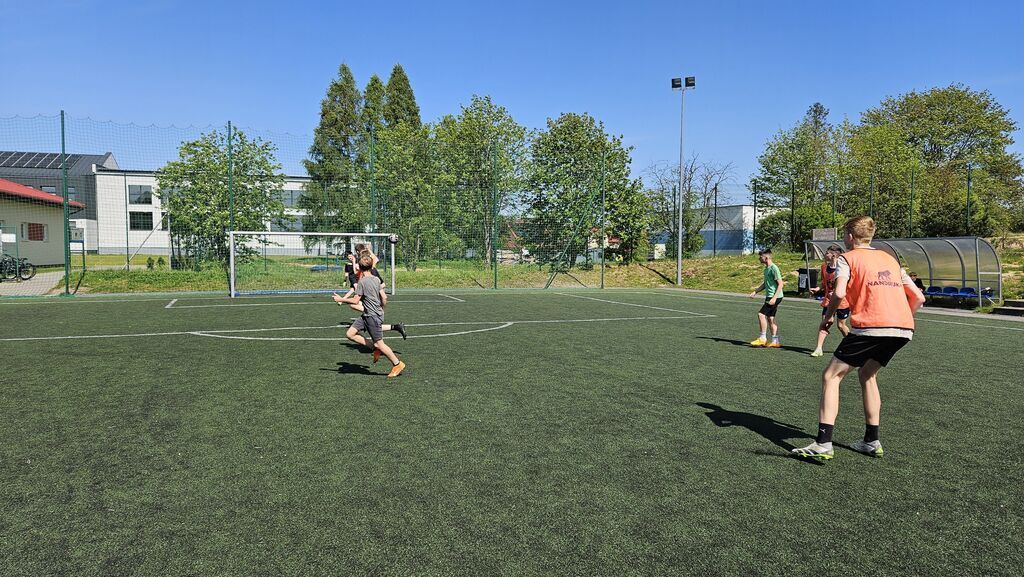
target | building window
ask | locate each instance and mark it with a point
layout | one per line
(140, 194)
(34, 231)
(140, 221)
(72, 193)
(50, 189)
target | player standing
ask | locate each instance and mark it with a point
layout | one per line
(883, 300)
(772, 287)
(827, 286)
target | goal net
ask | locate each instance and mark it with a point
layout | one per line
(264, 262)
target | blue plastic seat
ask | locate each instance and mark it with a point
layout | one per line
(933, 290)
(951, 291)
(968, 291)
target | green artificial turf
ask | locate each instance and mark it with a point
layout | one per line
(646, 445)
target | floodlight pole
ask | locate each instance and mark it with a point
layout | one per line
(682, 84)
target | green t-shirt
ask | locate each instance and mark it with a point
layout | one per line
(772, 275)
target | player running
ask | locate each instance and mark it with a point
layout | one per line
(883, 300)
(369, 292)
(828, 285)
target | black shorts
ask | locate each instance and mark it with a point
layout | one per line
(372, 325)
(770, 310)
(856, 350)
(841, 314)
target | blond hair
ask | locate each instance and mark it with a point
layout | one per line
(861, 228)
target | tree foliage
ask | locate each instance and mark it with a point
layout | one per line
(335, 199)
(906, 163)
(203, 203)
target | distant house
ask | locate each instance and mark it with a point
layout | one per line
(36, 218)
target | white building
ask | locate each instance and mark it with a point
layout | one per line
(729, 230)
(119, 210)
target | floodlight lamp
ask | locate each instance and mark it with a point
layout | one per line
(691, 81)
(677, 83)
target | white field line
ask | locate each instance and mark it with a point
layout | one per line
(216, 332)
(319, 302)
(453, 298)
(817, 310)
(171, 304)
(634, 305)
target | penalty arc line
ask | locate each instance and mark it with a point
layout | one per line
(212, 332)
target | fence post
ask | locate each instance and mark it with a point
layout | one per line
(373, 190)
(968, 223)
(714, 236)
(833, 205)
(871, 205)
(231, 182)
(67, 215)
(912, 174)
(753, 238)
(604, 214)
(494, 211)
(792, 215)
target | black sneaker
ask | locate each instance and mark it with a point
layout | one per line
(401, 330)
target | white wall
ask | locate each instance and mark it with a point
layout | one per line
(14, 214)
(112, 219)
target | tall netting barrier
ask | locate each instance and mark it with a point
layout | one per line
(102, 207)
(266, 263)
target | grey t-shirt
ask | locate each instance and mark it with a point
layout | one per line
(368, 288)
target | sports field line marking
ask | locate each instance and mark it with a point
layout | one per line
(213, 332)
(451, 297)
(817, 310)
(320, 302)
(633, 305)
(171, 304)
(455, 334)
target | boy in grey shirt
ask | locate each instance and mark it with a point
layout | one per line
(370, 293)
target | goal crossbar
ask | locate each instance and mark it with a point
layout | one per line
(234, 235)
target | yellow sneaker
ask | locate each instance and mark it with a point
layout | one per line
(774, 345)
(817, 354)
(396, 370)
(758, 342)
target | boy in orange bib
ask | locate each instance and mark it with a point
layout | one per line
(826, 288)
(883, 300)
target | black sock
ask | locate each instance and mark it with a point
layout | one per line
(870, 433)
(824, 433)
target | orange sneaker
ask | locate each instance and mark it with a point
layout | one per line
(376, 356)
(396, 370)
(774, 345)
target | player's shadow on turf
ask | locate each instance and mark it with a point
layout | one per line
(747, 345)
(776, 432)
(351, 369)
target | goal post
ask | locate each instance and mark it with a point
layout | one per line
(281, 262)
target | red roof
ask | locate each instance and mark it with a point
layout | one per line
(21, 191)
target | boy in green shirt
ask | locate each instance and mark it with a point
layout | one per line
(772, 287)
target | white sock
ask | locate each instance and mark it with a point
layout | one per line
(764, 336)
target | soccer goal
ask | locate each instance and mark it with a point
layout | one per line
(268, 262)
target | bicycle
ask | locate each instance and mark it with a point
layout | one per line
(16, 269)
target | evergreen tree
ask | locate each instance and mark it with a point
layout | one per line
(333, 201)
(400, 105)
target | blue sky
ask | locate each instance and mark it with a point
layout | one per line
(759, 65)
